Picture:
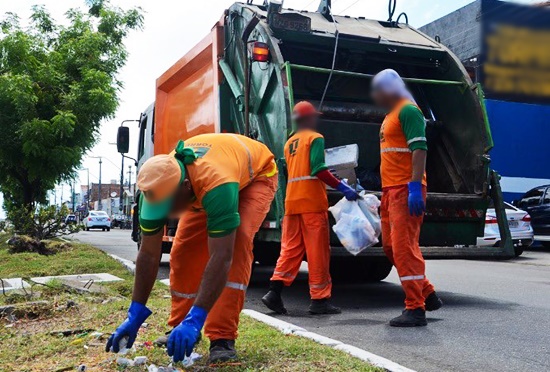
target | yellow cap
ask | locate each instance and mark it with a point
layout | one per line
(158, 180)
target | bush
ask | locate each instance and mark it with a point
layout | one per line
(46, 223)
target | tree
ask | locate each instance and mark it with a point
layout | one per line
(57, 83)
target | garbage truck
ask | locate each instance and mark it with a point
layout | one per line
(258, 60)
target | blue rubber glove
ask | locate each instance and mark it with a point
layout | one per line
(137, 313)
(416, 201)
(183, 338)
(348, 192)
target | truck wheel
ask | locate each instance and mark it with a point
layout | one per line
(518, 251)
(360, 269)
(546, 244)
(87, 229)
(266, 253)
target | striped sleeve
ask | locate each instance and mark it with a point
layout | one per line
(414, 126)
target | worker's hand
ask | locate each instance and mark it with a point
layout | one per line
(348, 192)
(183, 338)
(416, 201)
(137, 313)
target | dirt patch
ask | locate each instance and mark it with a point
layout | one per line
(27, 244)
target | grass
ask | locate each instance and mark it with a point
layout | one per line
(30, 345)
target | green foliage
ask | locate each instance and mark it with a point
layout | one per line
(58, 83)
(46, 223)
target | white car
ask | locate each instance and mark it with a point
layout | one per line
(97, 220)
(519, 222)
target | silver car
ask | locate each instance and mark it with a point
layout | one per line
(97, 220)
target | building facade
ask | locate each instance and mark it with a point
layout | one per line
(505, 47)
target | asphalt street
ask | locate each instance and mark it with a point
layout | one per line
(496, 315)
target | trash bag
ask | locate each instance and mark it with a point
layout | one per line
(369, 206)
(352, 227)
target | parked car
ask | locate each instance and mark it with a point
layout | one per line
(97, 220)
(519, 222)
(537, 203)
(70, 219)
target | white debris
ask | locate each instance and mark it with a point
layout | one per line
(190, 360)
(145, 325)
(124, 362)
(123, 350)
(82, 368)
(96, 334)
(140, 360)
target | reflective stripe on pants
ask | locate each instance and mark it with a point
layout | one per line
(189, 257)
(306, 233)
(400, 234)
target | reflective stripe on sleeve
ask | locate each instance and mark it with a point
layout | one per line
(412, 277)
(233, 285)
(182, 295)
(416, 139)
(395, 149)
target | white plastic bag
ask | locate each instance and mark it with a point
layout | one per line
(352, 226)
(369, 206)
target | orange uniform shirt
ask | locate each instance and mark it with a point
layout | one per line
(227, 158)
(305, 193)
(395, 152)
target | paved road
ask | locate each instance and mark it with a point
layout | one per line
(496, 318)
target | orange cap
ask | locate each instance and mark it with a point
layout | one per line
(303, 109)
(159, 178)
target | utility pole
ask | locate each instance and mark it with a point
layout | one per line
(131, 195)
(72, 195)
(121, 202)
(99, 204)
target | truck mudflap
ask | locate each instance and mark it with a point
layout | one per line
(504, 251)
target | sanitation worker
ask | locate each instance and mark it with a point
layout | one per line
(403, 151)
(305, 224)
(224, 185)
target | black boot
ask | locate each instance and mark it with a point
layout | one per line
(433, 302)
(222, 351)
(410, 318)
(323, 306)
(273, 299)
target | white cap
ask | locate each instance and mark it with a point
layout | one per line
(389, 82)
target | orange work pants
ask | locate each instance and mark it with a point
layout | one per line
(190, 255)
(308, 234)
(400, 234)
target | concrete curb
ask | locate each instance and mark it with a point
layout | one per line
(129, 265)
(289, 328)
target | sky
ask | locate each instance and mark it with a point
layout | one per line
(172, 27)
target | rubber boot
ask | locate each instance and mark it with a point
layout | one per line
(273, 299)
(323, 306)
(433, 302)
(222, 351)
(410, 318)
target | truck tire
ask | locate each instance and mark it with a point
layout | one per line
(546, 244)
(360, 269)
(266, 253)
(518, 251)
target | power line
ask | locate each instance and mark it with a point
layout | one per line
(342, 11)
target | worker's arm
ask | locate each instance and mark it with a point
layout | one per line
(414, 127)
(222, 210)
(320, 170)
(147, 265)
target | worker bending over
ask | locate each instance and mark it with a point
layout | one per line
(225, 183)
(403, 151)
(305, 224)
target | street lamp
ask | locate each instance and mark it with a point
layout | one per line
(99, 205)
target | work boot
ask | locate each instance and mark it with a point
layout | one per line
(323, 306)
(222, 351)
(273, 299)
(410, 318)
(433, 302)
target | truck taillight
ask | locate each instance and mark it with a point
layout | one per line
(490, 219)
(260, 52)
(526, 218)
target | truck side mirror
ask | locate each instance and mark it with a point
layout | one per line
(123, 140)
